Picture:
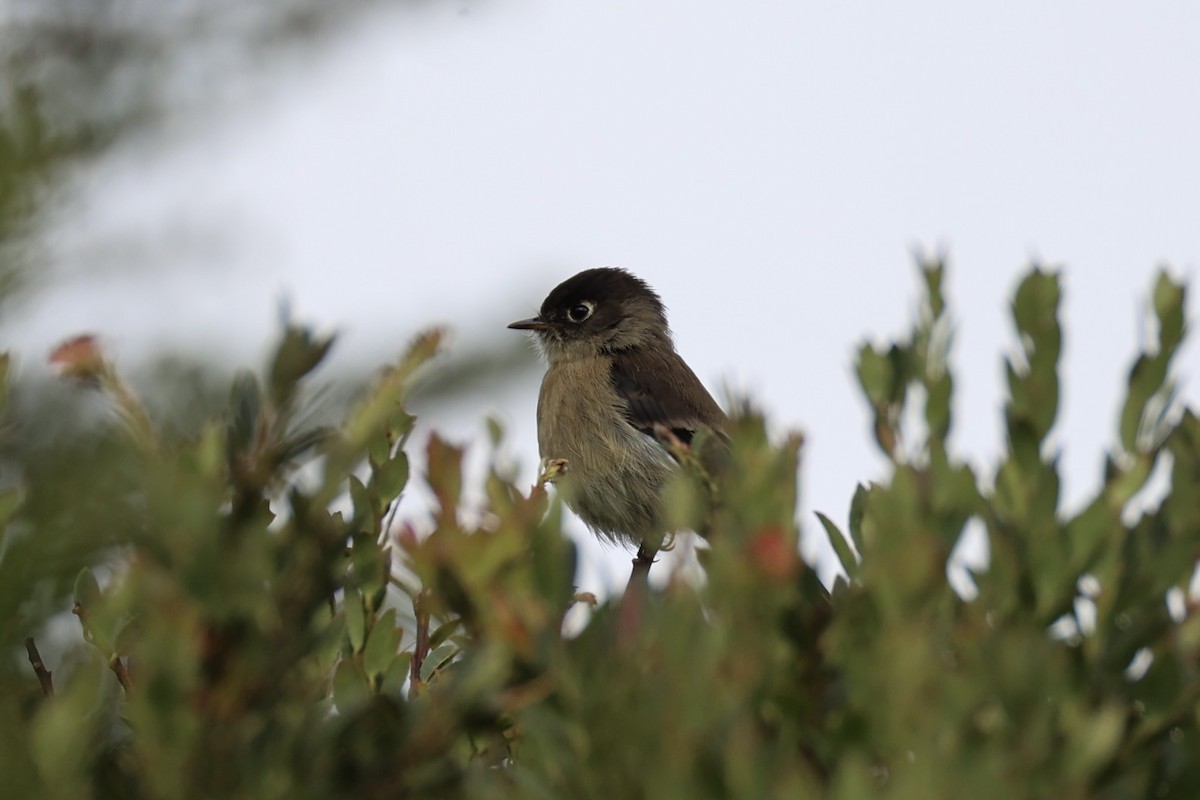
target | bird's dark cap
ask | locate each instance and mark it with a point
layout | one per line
(599, 284)
(606, 305)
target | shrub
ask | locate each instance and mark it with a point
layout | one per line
(258, 625)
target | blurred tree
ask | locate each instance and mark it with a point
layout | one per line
(78, 76)
(256, 623)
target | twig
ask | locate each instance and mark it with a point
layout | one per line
(421, 648)
(391, 518)
(39, 667)
(121, 671)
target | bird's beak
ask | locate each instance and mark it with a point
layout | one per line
(531, 324)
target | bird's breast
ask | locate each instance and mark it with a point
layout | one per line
(615, 473)
(580, 416)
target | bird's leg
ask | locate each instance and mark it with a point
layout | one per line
(641, 565)
(630, 613)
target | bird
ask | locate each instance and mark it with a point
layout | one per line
(615, 392)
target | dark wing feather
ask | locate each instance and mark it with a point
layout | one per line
(659, 388)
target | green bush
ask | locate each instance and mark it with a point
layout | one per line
(258, 625)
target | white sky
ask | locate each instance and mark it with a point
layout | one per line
(768, 166)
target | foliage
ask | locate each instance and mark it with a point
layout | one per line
(257, 625)
(251, 620)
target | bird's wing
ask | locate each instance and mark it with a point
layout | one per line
(660, 389)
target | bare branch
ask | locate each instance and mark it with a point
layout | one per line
(39, 667)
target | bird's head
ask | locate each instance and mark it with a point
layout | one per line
(601, 310)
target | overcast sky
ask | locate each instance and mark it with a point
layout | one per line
(767, 166)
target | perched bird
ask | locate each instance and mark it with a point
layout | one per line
(614, 391)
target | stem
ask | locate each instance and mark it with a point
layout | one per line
(421, 648)
(39, 667)
(121, 671)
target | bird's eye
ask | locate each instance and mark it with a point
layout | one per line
(581, 311)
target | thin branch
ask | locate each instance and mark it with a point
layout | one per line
(421, 648)
(390, 520)
(121, 671)
(39, 667)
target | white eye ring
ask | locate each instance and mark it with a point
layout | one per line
(581, 311)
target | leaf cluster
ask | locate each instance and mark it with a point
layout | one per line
(256, 622)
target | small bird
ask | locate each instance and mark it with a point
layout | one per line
(614, 390)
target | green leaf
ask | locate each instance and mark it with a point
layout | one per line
(245, 409)
(1095, 740)
(444, 631)
(65, 733)
(939, 393)
(444, 466)
(876, 375)
(379, 419)
(87, 603)
(1148, 377)
(858, 504)
(389, 477)
(1034, 387)
(356, 621)
(366, 505)
(350, 687)
(840, 545)
(554, 559)
(297, 355)
(438, 659)
(1130, 480)
(1092, 529)
(369, 567)
(1035, 304)
(1170, 301)
(379, 449)
(397, 673)
(934, 274)
(87, 589)
(382, 645)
